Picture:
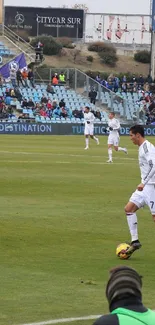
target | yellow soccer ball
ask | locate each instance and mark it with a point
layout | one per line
(121, 251)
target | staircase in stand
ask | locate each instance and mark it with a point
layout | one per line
(16, 45)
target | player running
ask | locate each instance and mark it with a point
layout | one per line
(145, 192)
(113, 138)
(89, 119)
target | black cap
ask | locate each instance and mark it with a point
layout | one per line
(124, 282)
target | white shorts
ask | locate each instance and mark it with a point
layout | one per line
(89, 129)
(113, 139)
(145, 197)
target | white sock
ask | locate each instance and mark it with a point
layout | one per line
(132, 223)
(96, 139)
(110, 153)
(87, 142)
(121, 149)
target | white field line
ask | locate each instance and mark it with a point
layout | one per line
(64, 162)
(65, 320)
(60, 154)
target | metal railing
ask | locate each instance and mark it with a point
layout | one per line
(19, 43)
(82, 83)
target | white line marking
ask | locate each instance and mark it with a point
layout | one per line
(65, 162)
(65, 320)
(22, 161)
(61, 154)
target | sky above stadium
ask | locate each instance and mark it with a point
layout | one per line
(100, 6)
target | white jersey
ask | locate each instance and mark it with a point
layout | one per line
(115, 125)
(147, 162)
(90, 118)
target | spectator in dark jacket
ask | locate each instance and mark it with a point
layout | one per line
(50, 89)
(141, 80)
(30, 103)
(25, 103)
(19, 78)
(31, 77)
(18, 94)
(92, 96)
(44, 100)
(124, 296)
(62, 103)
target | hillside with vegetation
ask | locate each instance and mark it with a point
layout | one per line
(98, 56)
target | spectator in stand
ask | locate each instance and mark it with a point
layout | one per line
(62, 103)
(116, 84)
(141, 80)
(2, 104)
(31, 77)
(57, 112)
(69, 111)
(149, 79)
(147, 97)
(30, 103)
(93, 95)
(78, 114)
(129, 87)
(43, 112)
(19, 78)
(49, 105)
(103, 83)
(7, 92)
(50, 89)
(146, 87)
(98, 78)
(124, 79)
(13, 77)
(37, 109)
(55, 75)
(135, 87)
(25, 78)
(133, 78)
(44, 100)
(18, 94)
(54, 104)
(12, 93)
(1, 81)
(24, 103)
(62, 79)
(151, 106)
(97, 114)
(55, 80)
(124, 87)
(63, 112)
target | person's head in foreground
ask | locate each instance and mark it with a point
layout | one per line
(111, 115)
(124, 295)
(137, 134)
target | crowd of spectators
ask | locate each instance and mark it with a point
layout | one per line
(115, 84)
(140, 86)
(146, 106)
(46, 107)
(51, 108)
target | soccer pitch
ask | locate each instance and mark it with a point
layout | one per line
(62, 216)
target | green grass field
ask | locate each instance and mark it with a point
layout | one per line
(61, 218)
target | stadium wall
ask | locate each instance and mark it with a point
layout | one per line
(61, 129)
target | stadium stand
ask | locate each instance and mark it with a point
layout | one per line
(5, 51)
(73, 102)
(60, 104)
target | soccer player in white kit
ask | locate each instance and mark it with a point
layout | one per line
(89, 119)
(113, 138)
(145, 192)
